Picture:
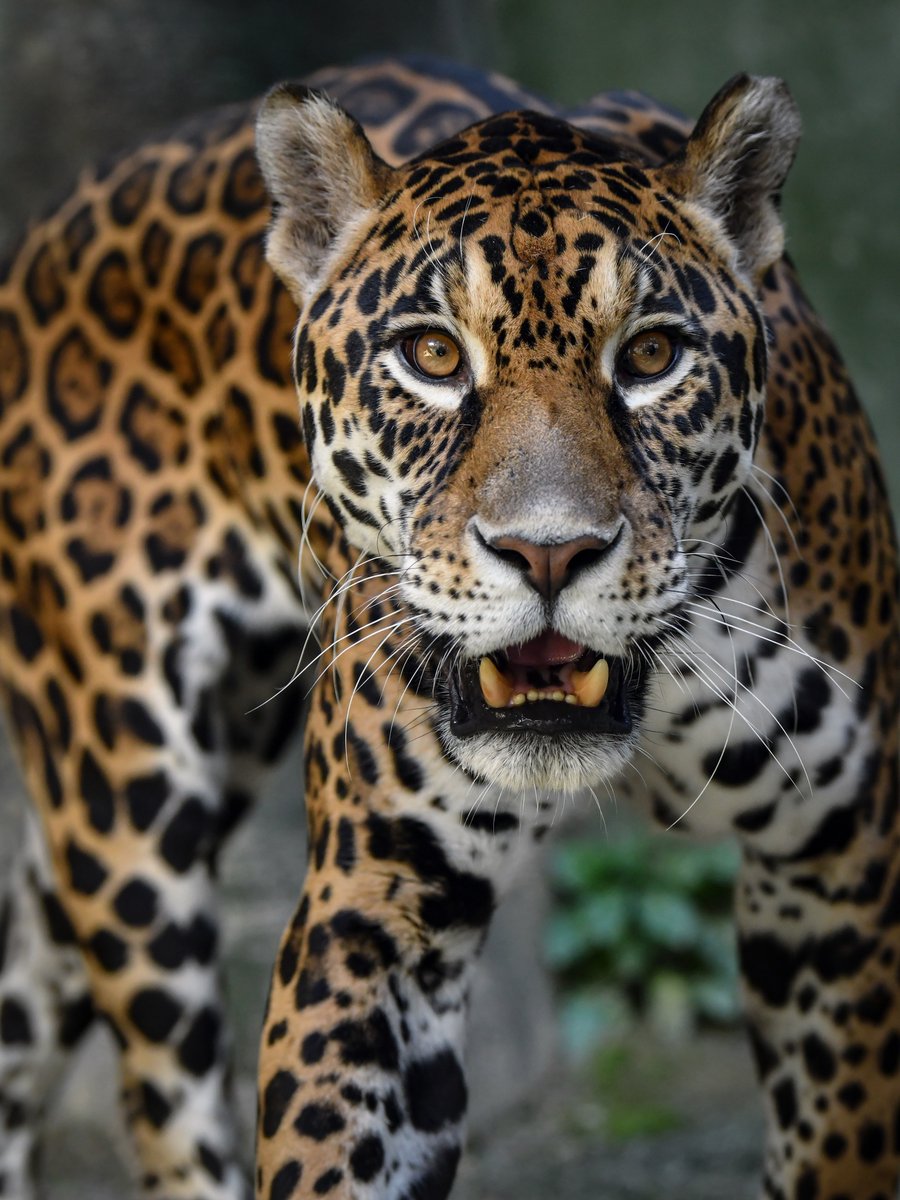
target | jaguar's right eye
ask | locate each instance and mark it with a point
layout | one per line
(433, 354)
(648, 355)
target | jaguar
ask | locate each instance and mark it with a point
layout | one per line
(523, 416)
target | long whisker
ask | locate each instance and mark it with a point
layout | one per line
(303, 664)
(712, 670)
(352, 646)
(749, 628)
(356, 685)
(771, 543)
(758, 470)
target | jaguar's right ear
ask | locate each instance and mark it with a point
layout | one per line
(322, 175)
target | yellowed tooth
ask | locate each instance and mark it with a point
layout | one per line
(590, 686)
(557, 695)
(570, 699)
(518, 699)
(494, 686)
(532, 695)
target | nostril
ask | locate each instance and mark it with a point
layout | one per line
(516, 558)
(587, 557)
(514, 551)
(588, 551)
(567, 558)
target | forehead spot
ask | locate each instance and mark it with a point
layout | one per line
(532, 233)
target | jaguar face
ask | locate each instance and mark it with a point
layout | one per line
(531, 379)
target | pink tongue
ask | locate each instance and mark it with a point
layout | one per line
(548, 650)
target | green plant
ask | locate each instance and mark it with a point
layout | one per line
(642, 930)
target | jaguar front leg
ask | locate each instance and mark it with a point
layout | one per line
(362, 1091)
(819, 951)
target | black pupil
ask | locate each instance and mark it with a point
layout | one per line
(647, 353)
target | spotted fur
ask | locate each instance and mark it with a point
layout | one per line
(155, 489)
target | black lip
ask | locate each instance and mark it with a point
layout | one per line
(470, 714)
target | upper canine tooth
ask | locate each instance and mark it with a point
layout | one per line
(494, 686)
(590, 686)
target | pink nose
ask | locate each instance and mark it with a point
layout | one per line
(548, 568)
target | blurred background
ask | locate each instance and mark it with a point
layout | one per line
(632, 930)
(81, 78)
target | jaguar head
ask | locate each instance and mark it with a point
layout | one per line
(531, 374)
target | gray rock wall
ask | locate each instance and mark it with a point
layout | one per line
(80, 79)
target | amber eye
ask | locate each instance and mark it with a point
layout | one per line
(433, 353)
(648, 354)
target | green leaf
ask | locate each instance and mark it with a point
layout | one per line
(701, 869)
(641, 1120)
(632, 961)
(717, 1000)
(565, 940)
(642, 906)
(667, 918)
(605, 918)
(578, 867)
(589, 1017)
(611, 1064)
(717, 948)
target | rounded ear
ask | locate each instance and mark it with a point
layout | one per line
(735, 163)
(322, 175)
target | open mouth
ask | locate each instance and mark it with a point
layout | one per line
(549, 686)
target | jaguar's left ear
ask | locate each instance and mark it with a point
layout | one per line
(735, 163)
(322, 175)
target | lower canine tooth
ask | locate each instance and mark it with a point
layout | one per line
(494, 686)
(590, 686)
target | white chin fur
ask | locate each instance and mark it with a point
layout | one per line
(523, 762)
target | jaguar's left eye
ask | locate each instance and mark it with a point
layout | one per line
(432, 353)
